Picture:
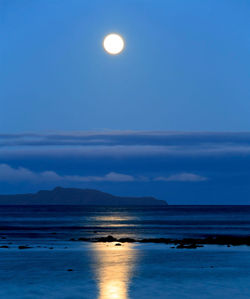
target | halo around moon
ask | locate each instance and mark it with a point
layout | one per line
(113, 44)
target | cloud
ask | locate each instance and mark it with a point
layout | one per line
(202, 164)
(20, 174)
(110, 177)
(163, 138)
(9, 174)
(127, 143)
(182, 177)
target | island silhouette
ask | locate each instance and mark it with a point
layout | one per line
(75, 196)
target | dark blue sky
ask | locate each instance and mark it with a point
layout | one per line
(182, 168)
(72, 115)
(186, 65)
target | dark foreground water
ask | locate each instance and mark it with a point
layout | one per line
(130, 271)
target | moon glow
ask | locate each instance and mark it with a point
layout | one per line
(113, 44)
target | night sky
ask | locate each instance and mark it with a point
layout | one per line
(168, 117)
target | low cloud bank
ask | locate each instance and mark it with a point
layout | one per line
(20, 174)
(126, 143)
(182, 177)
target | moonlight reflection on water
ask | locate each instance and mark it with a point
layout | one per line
(114, 269)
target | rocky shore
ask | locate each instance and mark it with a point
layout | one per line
(179, 243)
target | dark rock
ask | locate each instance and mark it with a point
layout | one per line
(107, 239)
(227, 240)
(118, 244)
(70, 270)
(126, 240)
(24, 247)
(180, 243)
(4, 246)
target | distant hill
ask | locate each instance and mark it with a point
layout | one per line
(73, 196)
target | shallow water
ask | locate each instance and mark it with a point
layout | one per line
(130, 271)
(125, 272)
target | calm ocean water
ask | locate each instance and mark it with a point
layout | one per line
(130, 271)
(64, 222)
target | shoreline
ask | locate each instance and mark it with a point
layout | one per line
(185, 243)
(191, 243)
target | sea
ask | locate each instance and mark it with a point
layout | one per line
(51, 265)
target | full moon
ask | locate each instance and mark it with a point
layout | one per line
(113, 44)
